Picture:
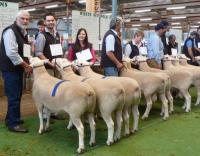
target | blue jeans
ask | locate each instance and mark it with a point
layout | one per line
(111, 71)
(13, 85)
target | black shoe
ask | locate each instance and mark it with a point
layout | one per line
(18, 129)
(57, 117)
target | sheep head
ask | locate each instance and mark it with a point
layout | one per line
(36, 62)
(139, 58)
(61, 63)
(182, 56)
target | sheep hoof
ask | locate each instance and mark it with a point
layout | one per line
(92, 144)
(109, 143)
(161, 114)
(171, 111)
(165, 118)
(116, 138)
(187, 110)
(47, 129)
(40, 132)
(126, 134)
(183, 107)
(196, 104)
(144, 117)
(134, 131)
(80, 150)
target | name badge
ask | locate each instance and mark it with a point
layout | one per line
(26, 50)
(56, 49)
(198, 44)
(174, 51)
(143, 50)
(84, 55)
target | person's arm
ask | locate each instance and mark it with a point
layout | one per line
(127, 50)
(39, 46)
(11, 48)
(189, 47)
(93, 56)
(70, 54)
(110, 43)
(156, 51)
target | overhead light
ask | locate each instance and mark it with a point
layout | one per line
(198, 22)
(152, 24)
(127, 20)
(64, 18)
(145, 10)
(82, 1)
(175, 8)
(178, 17)
(51, 6)
(136, 25)
(32, 9)
(194, 26)
(145, 19)
(177, 27)
(176, 23)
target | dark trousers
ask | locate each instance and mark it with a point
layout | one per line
(13, 85)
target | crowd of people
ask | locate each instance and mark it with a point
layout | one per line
(13, 63)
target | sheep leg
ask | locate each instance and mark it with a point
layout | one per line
(48, 114)
(187, 99)
(136, 114)
(170, 99)
(110, 125)
(79, 126)
(198, 97)
(148, 108)
(126, 121)
(118, 117)
(70, 125)
(92, 129)
(40, 114)
(164, 106)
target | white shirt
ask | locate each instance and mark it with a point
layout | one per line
(110, 42)
(11, 47)
(128, 49)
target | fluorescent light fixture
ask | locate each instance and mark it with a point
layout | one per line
(82, 1)
(32, 9)
(51, 6)
(145, 10)
(194, 26)
(176, 23)
(127, 20)
(178, 17)
(179, 27)
(198, 22)
(136, 25)
(64, 18)
(145, 19)
(175, 8)
(152, 24)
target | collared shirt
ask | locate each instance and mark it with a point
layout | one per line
(11, 46)
(40, 42)
(155, 48)
(110, 42)
(128, 48)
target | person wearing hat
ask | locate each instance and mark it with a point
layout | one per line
(111, 56)
(189, 48)
(155, 47)
(165, 36)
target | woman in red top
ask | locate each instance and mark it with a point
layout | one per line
(80, 44)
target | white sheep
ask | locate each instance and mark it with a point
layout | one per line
(150, 84)
(56, 95)
(110, 97)
(180, 80)
(132, 93)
